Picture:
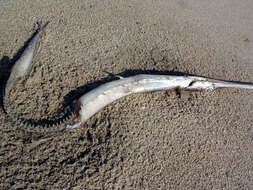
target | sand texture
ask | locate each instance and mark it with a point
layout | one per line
(158, 140)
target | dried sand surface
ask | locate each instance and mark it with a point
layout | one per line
(147, 141)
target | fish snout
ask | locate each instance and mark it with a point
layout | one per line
(201, 85)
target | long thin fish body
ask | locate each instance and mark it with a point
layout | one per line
(98, 98)
(22, 65)
(20, 69)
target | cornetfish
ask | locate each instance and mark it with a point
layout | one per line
(90, 103)
(20, 69)
(22, 65)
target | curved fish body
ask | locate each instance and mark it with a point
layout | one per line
(98, 98)
(23, 64)
(90, 103)
(19, 70)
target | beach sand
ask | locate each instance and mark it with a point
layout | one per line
(155, 140)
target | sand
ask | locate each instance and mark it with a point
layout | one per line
(154, 140)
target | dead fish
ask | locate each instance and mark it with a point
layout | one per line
(19, 70)
(21, 67)
(90, 103)
(23, 64)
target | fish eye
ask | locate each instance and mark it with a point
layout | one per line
(210, 89)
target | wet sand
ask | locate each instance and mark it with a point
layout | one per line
(154, 140)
